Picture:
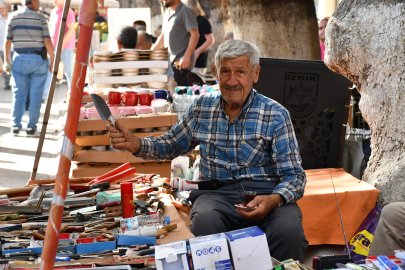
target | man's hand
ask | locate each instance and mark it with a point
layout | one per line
(124, 139)
(265, 204)
(6, 69)
(184, 62)
(51, 66)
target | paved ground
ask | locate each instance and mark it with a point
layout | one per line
(17, 154)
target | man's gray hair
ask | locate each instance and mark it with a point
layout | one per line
(2, 3)
(235, 48)
(148, 38)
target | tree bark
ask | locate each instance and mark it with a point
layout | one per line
(365, 43)
(280, 28)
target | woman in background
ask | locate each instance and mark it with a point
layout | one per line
(206, 39)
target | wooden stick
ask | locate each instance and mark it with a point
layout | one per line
(15, 190)
(52, 181)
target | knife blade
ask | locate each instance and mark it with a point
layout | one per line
(103, 109)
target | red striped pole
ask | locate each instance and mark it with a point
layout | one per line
(86, 21)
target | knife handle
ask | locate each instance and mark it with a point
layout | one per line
(111, 119)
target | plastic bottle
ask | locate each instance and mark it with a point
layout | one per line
(127, 200)
(190, 99)
(179, 104)
(143, 221)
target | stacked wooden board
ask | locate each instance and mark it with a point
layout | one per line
(89, 162)
(132, 67)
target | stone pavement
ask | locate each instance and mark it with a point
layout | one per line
(17, 154)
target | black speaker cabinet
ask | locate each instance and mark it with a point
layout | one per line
(315, 97)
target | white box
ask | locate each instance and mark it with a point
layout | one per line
(130, 79)
(210, 252)
(131, 64)
(172, 256)
(249, 249)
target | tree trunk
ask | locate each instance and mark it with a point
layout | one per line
(218, 12)
(365, 43)
(280, 28)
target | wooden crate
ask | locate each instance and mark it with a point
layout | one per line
(97, 169)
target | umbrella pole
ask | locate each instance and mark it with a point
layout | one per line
(86, 21)
(51, 89)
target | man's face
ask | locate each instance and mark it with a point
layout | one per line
(236, 77)
(35, 5)
(58, 3)
(321, 30)
(3, 10)
(169, 3)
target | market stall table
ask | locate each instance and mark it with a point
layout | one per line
(321, 219)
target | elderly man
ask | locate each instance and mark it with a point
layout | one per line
(28, 31)
(247, 143)
(144, 41)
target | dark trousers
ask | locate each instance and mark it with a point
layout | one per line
(214, 212)
(181, 76)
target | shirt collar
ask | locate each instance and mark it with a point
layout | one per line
(177, 9)
(29, 8)
(246, 107)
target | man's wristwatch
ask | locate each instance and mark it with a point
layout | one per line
(282, 200)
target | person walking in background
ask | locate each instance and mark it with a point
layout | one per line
(68, 45)
(228, 36)
(180, 36)
(3, 30)
(27, 31)
(206, 39)
(321, 31)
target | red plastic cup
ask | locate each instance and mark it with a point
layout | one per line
(130, 98)
(145, 99)
(114, 98)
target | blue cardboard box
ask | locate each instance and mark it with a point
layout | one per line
(129, 240)
(86, 245)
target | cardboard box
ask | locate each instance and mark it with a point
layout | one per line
(89, 156)
(86, 245)
(129, 240)
(150, 120)
(249, 249)
(210, 252)
(131, 64)
(130, 79)
(105, 140)
(172, 256)
(87, 98)
(86, 170)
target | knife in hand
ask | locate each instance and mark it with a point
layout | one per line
(103, 109)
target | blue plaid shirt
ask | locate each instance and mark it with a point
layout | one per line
(258, 145)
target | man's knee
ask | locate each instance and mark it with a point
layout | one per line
(391, 211)
(206, 221)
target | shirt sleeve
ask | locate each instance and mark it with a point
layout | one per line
(190, 20)
(205, 27)
(71, 17)
(45, 29)
(287, 160)
(177, 141)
